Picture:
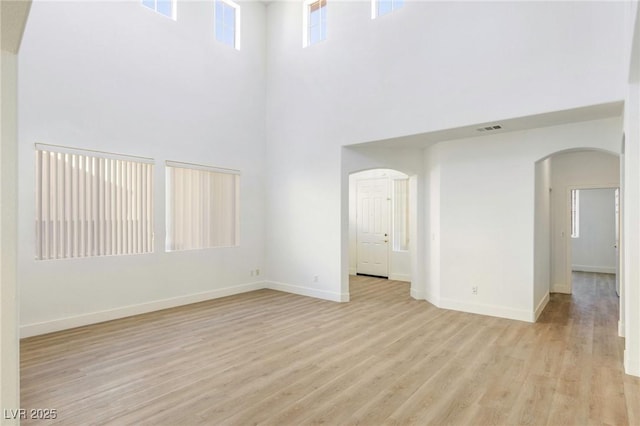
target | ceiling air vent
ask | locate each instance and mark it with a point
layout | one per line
(489, 128)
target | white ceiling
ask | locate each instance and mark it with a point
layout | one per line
(593, 112)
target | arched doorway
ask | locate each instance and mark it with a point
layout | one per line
(379, 224)
(560, 178)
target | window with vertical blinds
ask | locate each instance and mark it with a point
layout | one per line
(92, 203)
(202, 206)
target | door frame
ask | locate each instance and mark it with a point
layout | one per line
(568, 249)
(414, 267)
(389, 224)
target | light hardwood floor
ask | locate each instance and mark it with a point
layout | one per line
(273, 358)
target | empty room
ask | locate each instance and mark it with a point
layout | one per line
(302, 212)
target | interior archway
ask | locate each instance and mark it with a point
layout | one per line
(379, 224)
(557, 175)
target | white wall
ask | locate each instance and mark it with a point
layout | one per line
(631, 196)
(594, 249)
(542, 237)
(576, 170)
(487, 198)
(9, 343)
(347, 90)
(118, 77)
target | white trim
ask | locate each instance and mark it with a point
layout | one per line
(540, 307)
(631, 366)
(435, 301)
(490, 310)
(192, 166)
(92, 153)
(305, 22)
(568, 249)
(417, 294)
(127, 311)
(620, 328)
(400, 277)
(560, 288)
(306, 291)
(352, 270)
(598, 269)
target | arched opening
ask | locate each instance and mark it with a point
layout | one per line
(403, 170)
(576, 222)
(379, 224)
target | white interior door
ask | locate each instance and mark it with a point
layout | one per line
(373, 227)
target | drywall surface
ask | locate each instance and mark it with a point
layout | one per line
(630, 314)
(9, 355)
(542, 237)
(419, 69)
(484, 234)
(570, 170)
(119, 77)
(594, 249)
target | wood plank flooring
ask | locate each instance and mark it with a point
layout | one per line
(279, 359)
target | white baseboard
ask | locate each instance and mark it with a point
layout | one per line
(490, 310)
(417, 294)
(621, 328)
(352, 271)
(540, 307)
(560, 288)
(400, 277)
(127, 311)
(599, 269)
(631, 366)
(434, 300)
(306, 291)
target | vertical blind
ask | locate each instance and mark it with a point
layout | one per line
(92, 204)
(202, 206)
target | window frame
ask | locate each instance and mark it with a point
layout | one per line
(174, 7)
(92, 203)
(575, 213)
(306, 22)
(237, 21)
(375, 8)
(170, 242)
